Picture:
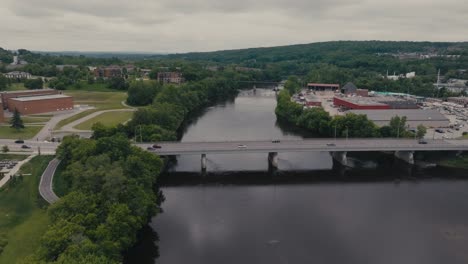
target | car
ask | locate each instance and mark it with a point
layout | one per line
(422, 141)
(150, 148)
(19, 141)
(25, 147)
(275, 141)
(156, 146)
(438, 130)
(241, 146)
(331, 144)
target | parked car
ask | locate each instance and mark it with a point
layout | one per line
(25, 147)
(242, 146)
(156, 146)
(19, 141)
(438, 130)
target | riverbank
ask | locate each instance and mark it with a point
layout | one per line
(460, 162)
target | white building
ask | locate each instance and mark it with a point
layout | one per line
(18, 75)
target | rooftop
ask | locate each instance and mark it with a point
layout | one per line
(323, 84)
(411, 114)
(29, 91)
(40, 97)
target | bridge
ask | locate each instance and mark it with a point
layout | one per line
(338, 148)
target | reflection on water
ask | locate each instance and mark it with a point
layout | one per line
(310, 211)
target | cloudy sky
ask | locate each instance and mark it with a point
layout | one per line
(204, 25)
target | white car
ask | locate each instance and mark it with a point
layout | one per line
(241, 146)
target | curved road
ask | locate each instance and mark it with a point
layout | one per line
(45, 186)
(70, 127)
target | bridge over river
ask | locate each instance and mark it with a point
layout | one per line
(403, 148)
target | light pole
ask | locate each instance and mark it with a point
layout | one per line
(335, 132)
(346, 133)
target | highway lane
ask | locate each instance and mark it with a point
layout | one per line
(195, 148)
(45, 185)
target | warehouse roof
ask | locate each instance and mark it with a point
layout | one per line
(411, 114)
(40, 97)
(29, 91)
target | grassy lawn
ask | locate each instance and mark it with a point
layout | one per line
(23, 217)
(12, 157)
(100, 100)
(16, 87)
(28, 132)
(458, 162)
(73, 118)
(32, 119)
(107, 119)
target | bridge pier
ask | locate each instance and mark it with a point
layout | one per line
(340, 157)
(273, 159)
(203, 162)
(407, 156)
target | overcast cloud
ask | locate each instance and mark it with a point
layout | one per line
(204, 25)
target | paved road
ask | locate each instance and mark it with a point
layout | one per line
(70, 127)
(45, 186)
(179, 148)
(49, 126)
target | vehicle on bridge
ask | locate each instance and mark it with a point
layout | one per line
(241, 146)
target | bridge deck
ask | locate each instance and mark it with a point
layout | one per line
(306, 145)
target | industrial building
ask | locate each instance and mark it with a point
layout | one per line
(323, 87)
(429, 118)
(374, 102)
(18, 94)
(40, 104)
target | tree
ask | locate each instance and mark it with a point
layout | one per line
(421, 131)
(16, 121)
(5, 149)
(34, 83)
(3, 82)
(398, 126)
(292, 85)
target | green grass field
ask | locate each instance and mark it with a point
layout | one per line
(107, 119)
(16, 87)
(28, 132)
(12, 156)
(23, 218)
(100, 100)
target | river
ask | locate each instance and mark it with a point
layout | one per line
(310, 211)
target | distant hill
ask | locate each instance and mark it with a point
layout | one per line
(316, 51)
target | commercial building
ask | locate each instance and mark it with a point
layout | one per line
(18, 75)
(374, 102)
(18, 94)
(323, 87)
(459, 100)
(429, 118)
(170, 77)
(40, 104)
(358, 103)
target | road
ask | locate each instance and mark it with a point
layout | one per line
(45, 186)
(308, 145)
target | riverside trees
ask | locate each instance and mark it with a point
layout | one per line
(111, 197)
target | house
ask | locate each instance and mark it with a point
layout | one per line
(108, 72)
(170, 77)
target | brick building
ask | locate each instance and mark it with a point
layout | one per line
(108, 72)
(40, 104)
(170, 77)
(18, 94)
(2, 116)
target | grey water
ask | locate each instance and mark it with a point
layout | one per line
(311, 211)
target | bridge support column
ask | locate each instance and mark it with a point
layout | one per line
(273, 159)
(407, 156)
(203, 162)
(340, 157)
